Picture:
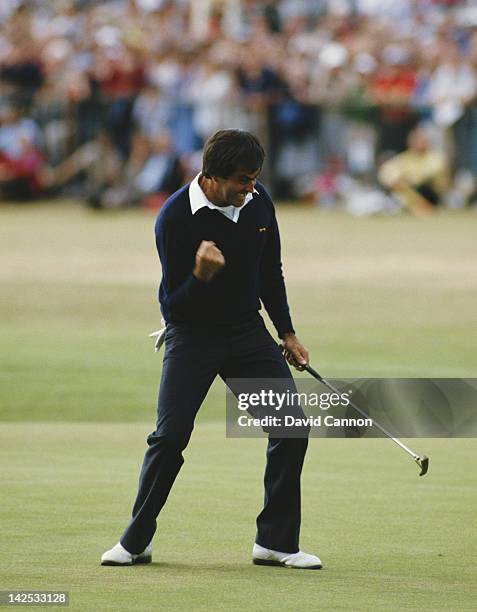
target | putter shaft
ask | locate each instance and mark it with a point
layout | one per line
(422, 462)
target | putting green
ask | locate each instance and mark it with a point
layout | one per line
(78, 377)
(389, 539)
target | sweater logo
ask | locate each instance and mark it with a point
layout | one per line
(262, 229)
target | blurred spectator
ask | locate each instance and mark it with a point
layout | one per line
(452, 87)
(21, 71)
(392, 88)
(316, 80)
(152, 112)
(51, 114)
(21, 161)
(123, 192)
(418, 178)
(152, 169)
(328, 182)
(162, 171)
(212, 95)
(361, 113)
(96, 164)
(119, 72)
(331, 84)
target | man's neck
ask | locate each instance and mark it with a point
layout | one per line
(207, 187)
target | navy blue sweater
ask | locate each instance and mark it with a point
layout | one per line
(252, 272)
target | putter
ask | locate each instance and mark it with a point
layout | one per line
(421, 460)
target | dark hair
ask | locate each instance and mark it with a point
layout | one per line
(229, 150)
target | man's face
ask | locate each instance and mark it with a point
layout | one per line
(233, 190)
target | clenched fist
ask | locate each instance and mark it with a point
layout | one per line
(208, 261)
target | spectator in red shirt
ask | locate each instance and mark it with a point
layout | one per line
(21, 161)
(391, 90)
(121, 76)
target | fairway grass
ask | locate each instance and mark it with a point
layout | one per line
(369, 297)
(372, 297)
(389, 539)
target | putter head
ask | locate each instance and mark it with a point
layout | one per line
(423, 463)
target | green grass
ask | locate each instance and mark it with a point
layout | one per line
(370, 297)
(390, 540)
(78, 378)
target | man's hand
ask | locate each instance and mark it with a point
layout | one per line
(294, 351)
(208, 261)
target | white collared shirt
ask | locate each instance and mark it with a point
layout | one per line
(198, 200)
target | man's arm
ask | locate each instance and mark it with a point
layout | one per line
(294, 352)
(274, 298)
(208, 262)
(272, 284)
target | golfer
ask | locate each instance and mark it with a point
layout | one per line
(219, 247)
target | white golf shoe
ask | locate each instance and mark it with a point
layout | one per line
(299, 560)
(118, 555)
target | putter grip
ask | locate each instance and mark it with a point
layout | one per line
(313, 372)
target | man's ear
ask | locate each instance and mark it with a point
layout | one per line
(211, 178)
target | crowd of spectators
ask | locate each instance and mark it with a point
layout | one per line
(112, 100)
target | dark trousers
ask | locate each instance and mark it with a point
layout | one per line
(193, 358)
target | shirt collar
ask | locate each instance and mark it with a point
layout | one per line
(198, 200)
